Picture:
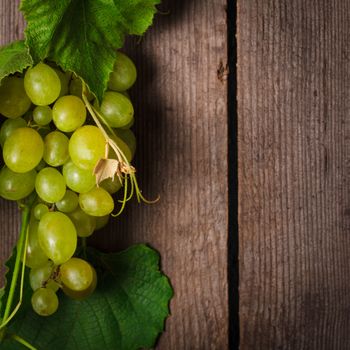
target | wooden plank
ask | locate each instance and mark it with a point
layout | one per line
(294, 160)
(181, 111)
(11, 28)
(182, 133)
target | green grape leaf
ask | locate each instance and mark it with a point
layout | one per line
(126, 312)
(83, 35)
(14, 58)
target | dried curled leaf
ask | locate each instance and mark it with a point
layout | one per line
(105, 169)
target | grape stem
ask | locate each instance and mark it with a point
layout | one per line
(20, 255)
(20, 340)
(125, 171)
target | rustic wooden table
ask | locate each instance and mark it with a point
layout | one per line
(292, 128)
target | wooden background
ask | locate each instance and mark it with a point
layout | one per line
(181, 126)
(293, 86)
(294, 180)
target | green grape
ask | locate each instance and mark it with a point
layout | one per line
(76, 274)
(124, 73)
(40, 210)
(77, 179)
(87, 146)
(97, 202)
(84, 223)
(65, 80)
(76, 89)
(23, 150)
(14, 101)
(50, 185)
(41, 277)
(44, 302)
(128, 137)
(57, 237)
(123, 147)
(110, 185)
(42, 115)
(56, 148)
(35, 257)
(9, 126)
(130, 125)
(101, 221)
(69, 113)
(68, 203)
(16, 186)
(80, 295)
(117, 109)
(42, 84)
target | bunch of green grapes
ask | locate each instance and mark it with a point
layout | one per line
(50, 146)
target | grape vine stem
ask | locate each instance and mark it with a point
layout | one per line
(125, 171)
(20, 255)
(20, 340)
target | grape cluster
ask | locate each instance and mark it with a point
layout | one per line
(50, 146)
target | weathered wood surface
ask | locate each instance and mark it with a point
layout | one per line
(11, 28)
(181, 111)
(294, 181)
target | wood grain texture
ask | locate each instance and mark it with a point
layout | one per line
(181, 114)
(11, 28)
(294, 183)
